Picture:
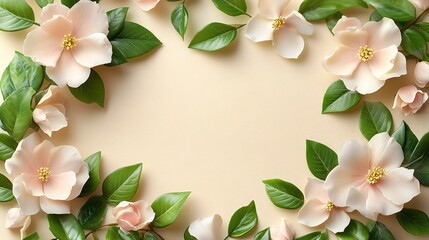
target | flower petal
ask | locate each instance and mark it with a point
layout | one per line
(93, 50)
(32, 184)
(297, 21)
(68, 71)
(206, 228)
(51, 10)
(272, 9)
(399, 186)
(339, 182)
(15, 218)
(314, 189)
(343, 61)
(57, 27)
(385, 152)
(383, 61)
(65, 159)
(313, 213)
(24, 228)
(282, 232)
(147, 5)
(352, 39)
(50, 118)
(288, 42)
(49, 95)
(259, 29)
(346, 23)
(357, 199)
(399, 67)
(54, 207)
(338, 221)
(362, 80)
(354, 156)
(421, 73)
(84, 10)
(147, 214)
(81, 177)
(378, 204)
(382, 34)
(59, 186)
(29, 204)
(21, 160)
(47, 50)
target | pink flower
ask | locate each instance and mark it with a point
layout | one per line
(282, 232)
(132, 216)
(15, 218)
(70, 42)
(410, 99)
(147, 5)
(48, 114)
(370, 179)
(422, 4)
(421, 73)
(46, 177)
(209, 228)
(319, 209)
(283, 26)
(367, 55)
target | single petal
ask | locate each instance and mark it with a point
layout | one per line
(418, 102)
(93, 50)
(68, 72)
(399, 186)
(79, 15)
(382, 34)
(399, 67)
(59, 186)
(57, 27)
(49, 95)
(51, 10)
(24, 228)
(272, 9)
(54, 206)
(297, 21)
(313, 213)
(42, 47)
(338, 184)
(29, 204)
(32, 184)
(130, 217)
(259, 29)
(81, 178)
(147, 215)
(377, 203)
(352, 39)
(288, 42)
(50, 118)
(338, 221)
(126, 226)
(422, 4)
(385, 152)
(408, 93)
(354, 156)
(15, 218)
(208, 228)
(346, 23)
(22, 160)
(342, 61)
(362, 80)
(383, 61)
(65, 159)
(421, 73)
(147, 5)
(314, 189)
(42, 156)
(282, 232)
(357, 200)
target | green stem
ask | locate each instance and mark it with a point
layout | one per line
(226, 238)
(95, 230)
(248, 15)
(415, 20)
(157, 234)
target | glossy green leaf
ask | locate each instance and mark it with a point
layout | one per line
(122, 184)
(213, 37)
(150, 236)
(65, 227)
(413, 221)
(316, 10)
(132, 41)
(15, 15)
(92, 91)
(398, 10)
(243, 221)
(354, 231)
(33, 236)
(375, 118)
(22, 72)
(6, 193)
(7, 147)
(423, 28)
(188, 236)
(179, 19)
(115, 233)
(284, 194)
(231, 7)
(263, 235)
(43, 3)
(408, 141)
(167, 207)
(116, 20)
(92, 213)
(320, 159)
(414, 43)
(16, 114)
(91, 184)
(69, 3)
(339, 99)
(314, 236)
(378, 230)
(332, 20)
(419, 160)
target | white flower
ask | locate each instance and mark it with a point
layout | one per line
(410, 99)
(147, 5)
(421, 73)
(15, 218)
(208, 228)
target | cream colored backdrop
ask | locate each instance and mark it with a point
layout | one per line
(216, 124)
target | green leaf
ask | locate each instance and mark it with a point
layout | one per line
(15, 15)
(419, 160)
(6, 193)
(132, 41)
(65, 227)
(414, 43)
(332, 20)
(91, 91)
(16, 114)
(378, 230)
(314, 236)
(179, 19)
(33, 236)
(150, 236)
(243, 221)
(320, 159)
(188, 236)
(69, 3)
(22, 72)
(284, 194)
(263, 235)
(116, 20)
(398, 10)
(167, 207)
(423, 28)
(408, 141)
(354, 231)
(92, 213)
(115, 233)
(91, 184)
(375, 118)
(43, 3)
(339, 99)
(7, 147)
(122, 184)
(316, 10)
(231, 7)
(213, 37)
(413, 221)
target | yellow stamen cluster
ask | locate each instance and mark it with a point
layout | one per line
(375, 174)
(278, 23)
(44, 174)
(365, 53)
(69, 42)
(329, 206)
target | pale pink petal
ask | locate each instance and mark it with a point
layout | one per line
(382, 34)
(407, 93)
(342, 61)
(357, 200)
(32, 184)
(399, 67)
(79, 15)
(399, 186)
(354, 156)
(52, 10)
(81, 177)
(29, 204)
(54, 207)
(378, 204)
(147, 5)
(68, 71)
(147, 214)
(50, 118)
(57, 27)
(272, 9)
(297, 21)
(346, 23)
(385, 152)
(59, 186)
(288, 42)
(15, 218)
(93, 50)
(352, 39)
(207, 228)
(338, 184)
(383, 61)
(131, 217)
(313, 213)
(422, 4)
(421, 73)
(42, 47)
(282, 232)
(126, 226)
(362, 80)
(41, 155)
(49, 95)
(22, 160)
(314, 189)
(338, 220)
(65, 159)
(24, 228)
(418, 101)
(259, 29)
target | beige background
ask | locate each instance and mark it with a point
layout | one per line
(216, 124)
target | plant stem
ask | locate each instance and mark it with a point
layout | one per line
(248, 15)
(226, 238)
(157, 234)
(103, 226)
(415, 20)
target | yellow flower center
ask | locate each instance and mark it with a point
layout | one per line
(375, 174)
(365, 53)
(329, 206)
(44, 174)
(69, 42)
(278, 23)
